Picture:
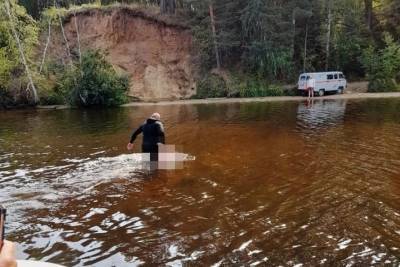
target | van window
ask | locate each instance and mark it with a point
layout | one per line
(330, 76)
(341, 76)
(335, 76)
(302, 78)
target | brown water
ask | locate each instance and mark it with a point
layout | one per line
(272, 184)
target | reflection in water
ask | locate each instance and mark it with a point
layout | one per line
(314, 114)
(272, 184)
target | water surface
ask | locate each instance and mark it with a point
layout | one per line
(272, 184)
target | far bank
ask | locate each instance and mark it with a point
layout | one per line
(247, 100)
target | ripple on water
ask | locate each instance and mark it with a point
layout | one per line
(52, 183)
(274, 184)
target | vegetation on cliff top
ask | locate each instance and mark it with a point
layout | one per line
(263, 42)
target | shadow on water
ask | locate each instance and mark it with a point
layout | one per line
(313, 183)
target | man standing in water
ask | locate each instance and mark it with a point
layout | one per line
(153, 136)
(310, 86)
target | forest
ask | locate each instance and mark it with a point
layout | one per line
(259, 44)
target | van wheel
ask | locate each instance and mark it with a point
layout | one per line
(321, 92)
(340, 91)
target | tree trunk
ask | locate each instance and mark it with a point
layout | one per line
(78, 37)
(328, 34)
(65, 39)
(68, 50)
(171, 6)
(294, 32)
(368, 13)
(305, 49)
(163, 6)
(214, 36)
(167, 6)
(45, 48)
(21, 51)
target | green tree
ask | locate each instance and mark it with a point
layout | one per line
(390, 20)
(18, 39)
(350, 37)
(383, 66)
(94, 83)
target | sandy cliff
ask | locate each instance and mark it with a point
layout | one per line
(155, 54)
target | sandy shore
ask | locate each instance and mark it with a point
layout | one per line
(247, 100)
(263, 99)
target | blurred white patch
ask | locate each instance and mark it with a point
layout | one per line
(94, 211)
(244, 246)
(343, 244)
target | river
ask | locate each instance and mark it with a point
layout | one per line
(285, 183)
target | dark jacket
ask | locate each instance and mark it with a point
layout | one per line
(153, 133)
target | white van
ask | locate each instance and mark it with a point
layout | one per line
(332, 81)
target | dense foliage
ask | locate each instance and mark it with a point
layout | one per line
(238, 85)
(13, 80)
(274, 41)
(279, 39)
(94, 82)
(383, 66)
(211, 86)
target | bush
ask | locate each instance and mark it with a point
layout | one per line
(290, 91)
(382, 85)
(211, 86)
(52, 98)
(239, 85)
(257, 89)
(94, 83)
(5, 98)
(49, 93)
(382, 66)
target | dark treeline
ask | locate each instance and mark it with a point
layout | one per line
(277, 39)
(270, 41)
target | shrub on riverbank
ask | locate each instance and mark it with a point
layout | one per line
(257, 88)
(5, 98)
(94, 82)
(383, 67)
(212, 86)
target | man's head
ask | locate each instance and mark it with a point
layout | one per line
(155, 116)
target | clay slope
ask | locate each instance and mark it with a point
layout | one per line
(156, 55)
